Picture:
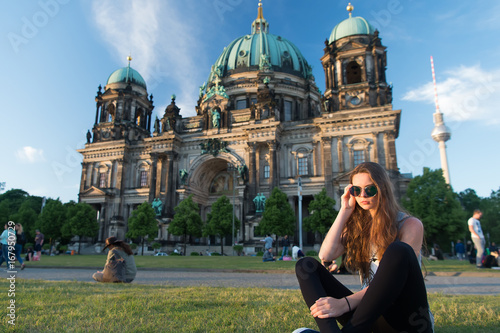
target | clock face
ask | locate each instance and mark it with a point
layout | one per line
(355, 100)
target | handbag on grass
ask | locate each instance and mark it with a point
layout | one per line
(114, 270)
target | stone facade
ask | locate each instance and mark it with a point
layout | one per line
(267, 120)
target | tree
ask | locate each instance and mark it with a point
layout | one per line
(82, 221)
(491, 216)
(187, 220)
(469, 201)
(27, 217)
(429, 198)
(278, 217)
(143, 223)
(50, 222)
(323, 213)
(10, 202)
(220, 220)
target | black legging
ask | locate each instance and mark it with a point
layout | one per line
(396, 296)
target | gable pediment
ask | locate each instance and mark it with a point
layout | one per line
(93, 192)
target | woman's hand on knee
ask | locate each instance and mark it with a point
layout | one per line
(327, 307)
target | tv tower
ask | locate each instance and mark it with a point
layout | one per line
(441, 133)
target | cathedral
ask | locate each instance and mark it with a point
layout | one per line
(261, 122)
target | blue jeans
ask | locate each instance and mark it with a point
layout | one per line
(19, 249)
(5, 254)
(285, 251)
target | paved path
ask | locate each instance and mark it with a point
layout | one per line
(448, 283)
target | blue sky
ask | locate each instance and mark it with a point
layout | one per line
(55, 53)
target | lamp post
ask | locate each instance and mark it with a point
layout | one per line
(300, 212)
(233, 169)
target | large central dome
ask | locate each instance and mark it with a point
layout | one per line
(261, 50)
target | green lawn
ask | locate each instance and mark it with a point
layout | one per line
(225, 262)
(91, 307)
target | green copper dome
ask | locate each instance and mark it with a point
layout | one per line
(260, 51)
(125, 75)
(350, 27)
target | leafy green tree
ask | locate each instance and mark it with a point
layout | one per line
(429, 198)
(278, 217)
(82, 221)
(10, 202)
(469, 201)
(323, 213)
(143, 223)
(490, 222)
(220, 220)
(27, 217)
(51, 221)
(187, 220)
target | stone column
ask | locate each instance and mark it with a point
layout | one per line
(168, 199)
(272, 164)
(327, 164)
(158, 163)
(252, 172)
(390, 151)
(375, 147)
(340, 153)
(83, 179)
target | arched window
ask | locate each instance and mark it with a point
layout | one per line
(111, 112)
(353, 72)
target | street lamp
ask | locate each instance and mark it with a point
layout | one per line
(299, 190)
(233, 169)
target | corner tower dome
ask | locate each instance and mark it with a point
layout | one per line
(351, 26)
(261, 50)
(127, 75)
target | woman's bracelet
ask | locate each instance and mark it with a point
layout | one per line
(348, 304)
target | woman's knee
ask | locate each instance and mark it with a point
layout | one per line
(305, 267)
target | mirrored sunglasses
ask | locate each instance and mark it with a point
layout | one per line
(370, 190)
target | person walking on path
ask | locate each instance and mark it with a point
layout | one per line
(4, 240)
(20, 241)
(381, 243)
(477, 235)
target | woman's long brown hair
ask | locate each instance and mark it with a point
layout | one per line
(124, 246)
(361, 231)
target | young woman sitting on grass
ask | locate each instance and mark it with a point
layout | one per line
(120, 264)
(383, 245)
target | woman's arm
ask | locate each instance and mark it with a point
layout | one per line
(412, 233)
(332, 247)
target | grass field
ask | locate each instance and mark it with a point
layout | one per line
(92, 307)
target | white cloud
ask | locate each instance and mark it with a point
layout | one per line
(466, 93)
(30, 154)
(165, 41)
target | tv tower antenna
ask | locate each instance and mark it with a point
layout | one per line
(441, 133)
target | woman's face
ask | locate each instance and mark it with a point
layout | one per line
(362, 180)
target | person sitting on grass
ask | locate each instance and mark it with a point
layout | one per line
(120, 264)
(268, 255)
(383, 245)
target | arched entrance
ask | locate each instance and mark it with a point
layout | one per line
(209, 179)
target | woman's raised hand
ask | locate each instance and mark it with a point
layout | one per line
(347, 201)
